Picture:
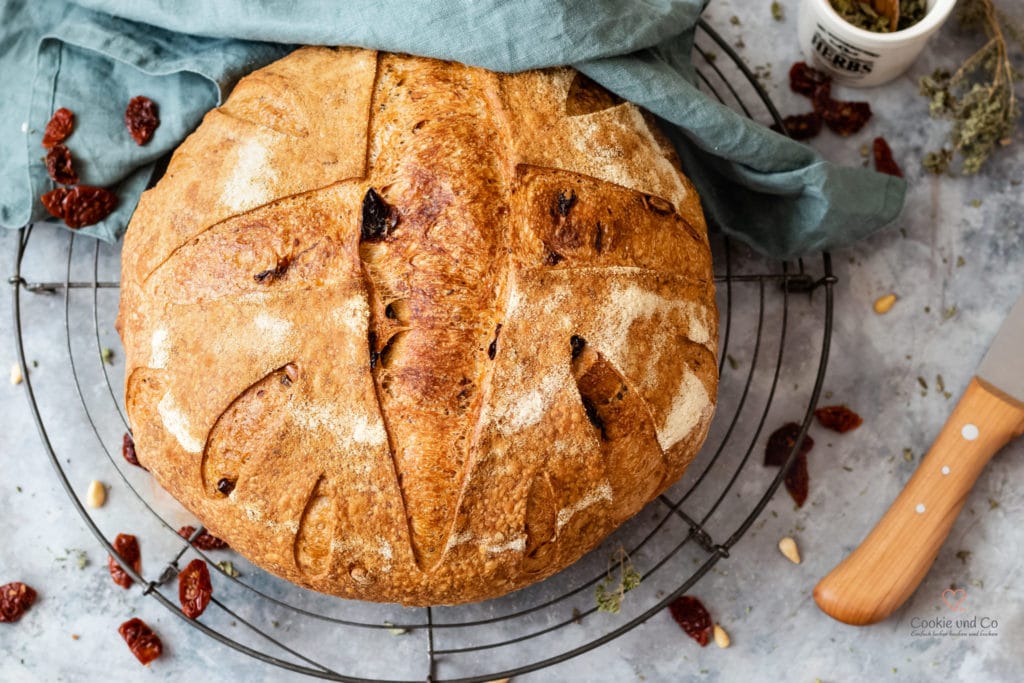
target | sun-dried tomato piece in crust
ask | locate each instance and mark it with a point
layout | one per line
(204, 541)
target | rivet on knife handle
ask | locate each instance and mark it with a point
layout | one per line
(890, 563)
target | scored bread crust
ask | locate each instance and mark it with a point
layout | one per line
(450, 410)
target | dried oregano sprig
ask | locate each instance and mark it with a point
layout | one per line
(978, 97)
(610, 592)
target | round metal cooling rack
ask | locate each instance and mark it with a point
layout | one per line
(776, 312)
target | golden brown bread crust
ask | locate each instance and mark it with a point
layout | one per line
(453, 409)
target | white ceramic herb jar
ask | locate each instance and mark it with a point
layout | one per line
(857, 57)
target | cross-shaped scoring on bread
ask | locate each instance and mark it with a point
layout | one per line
(405, 330)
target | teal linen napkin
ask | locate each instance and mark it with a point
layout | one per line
(92, 57)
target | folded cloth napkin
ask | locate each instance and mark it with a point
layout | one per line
(94, 55)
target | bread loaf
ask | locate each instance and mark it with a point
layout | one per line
(405, 330)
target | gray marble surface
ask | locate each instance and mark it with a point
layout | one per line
(955, 259)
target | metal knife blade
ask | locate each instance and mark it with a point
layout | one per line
(1003, 365)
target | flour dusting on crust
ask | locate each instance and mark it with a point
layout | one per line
(690, 405)
(176, 422)
(346, 425)
(275, 329)
(252, 179)
(601, 493)
(160, 349)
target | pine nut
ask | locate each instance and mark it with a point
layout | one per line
(787, 547)
(883, 304)
(96, 495)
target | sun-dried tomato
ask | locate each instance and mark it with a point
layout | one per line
(846, 118)
(821, 97)
(128, 450)
(194, 588)
(838, 418)
(800, 126)
(798, 480)
(84, 205)
(15, 599)
(781, 442)
(692, 617)
(59, 128)
(204, 541)
(54, 201)
(884, 163)
(59, 166)
(142, 118)
(143, 643)
(804, 79)
(379, 218)
(127, 546)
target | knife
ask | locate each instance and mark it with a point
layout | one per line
(891, 562)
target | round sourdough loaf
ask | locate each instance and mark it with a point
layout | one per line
(404, 330)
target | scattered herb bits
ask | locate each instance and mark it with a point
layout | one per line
(978, 98)
(611, 590)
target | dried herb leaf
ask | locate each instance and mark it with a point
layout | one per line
(978, 98)
(611, 591)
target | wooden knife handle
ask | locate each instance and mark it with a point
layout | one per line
(890, 563)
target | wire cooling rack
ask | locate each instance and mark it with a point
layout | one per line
(776, 326)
